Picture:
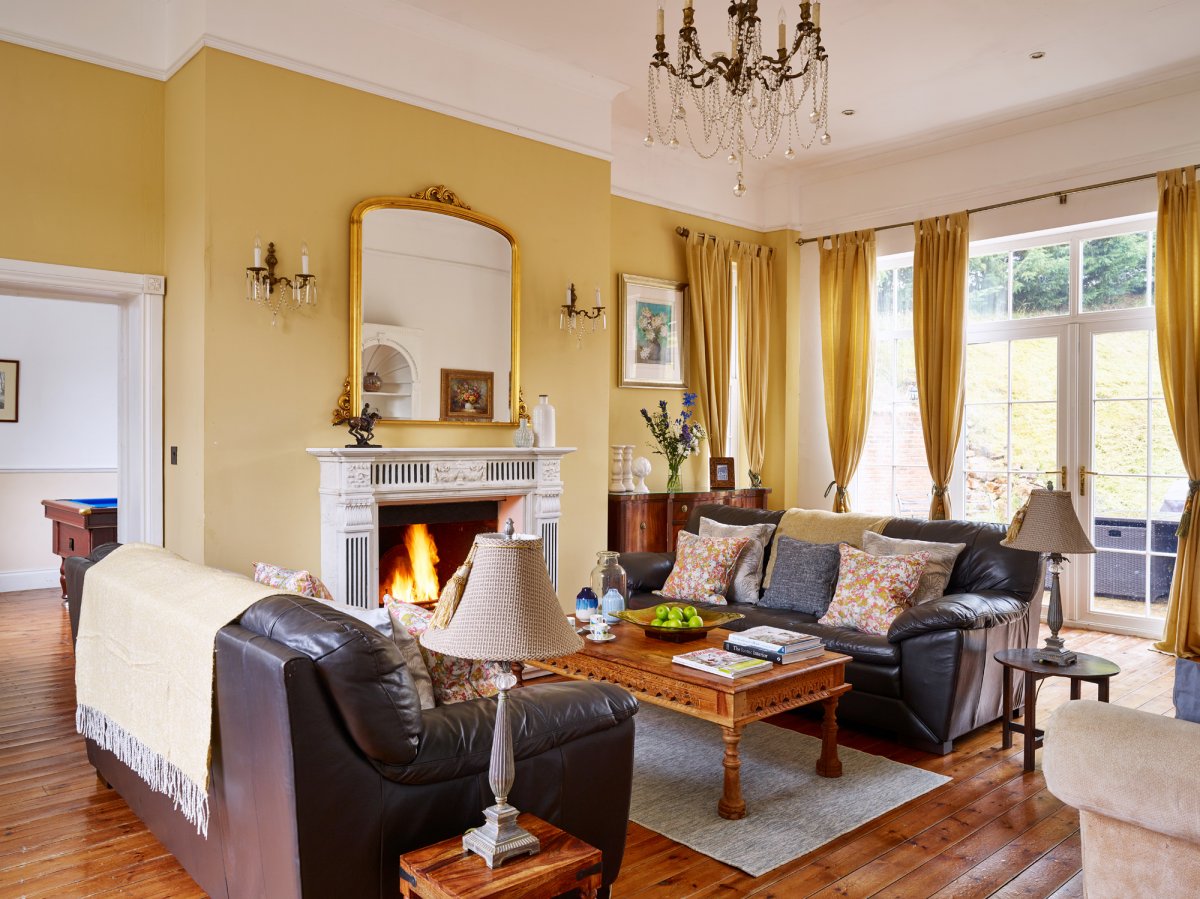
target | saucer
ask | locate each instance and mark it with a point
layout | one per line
(603, 639)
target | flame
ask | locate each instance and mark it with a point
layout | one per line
(414, 579)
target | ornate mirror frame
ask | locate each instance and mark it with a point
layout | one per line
(444, 201)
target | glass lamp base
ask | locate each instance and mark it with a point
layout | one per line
(500, 838)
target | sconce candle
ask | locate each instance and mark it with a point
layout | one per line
(264, 288)
(257, 251)
(568, 317)
(303, 258)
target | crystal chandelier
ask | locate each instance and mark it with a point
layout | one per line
(745, 100)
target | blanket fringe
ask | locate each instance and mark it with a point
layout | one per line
(159, 774)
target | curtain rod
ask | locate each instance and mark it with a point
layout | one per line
(1061, 194)
(685, 232)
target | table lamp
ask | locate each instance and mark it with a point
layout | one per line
(508, 612)
(1047, 524)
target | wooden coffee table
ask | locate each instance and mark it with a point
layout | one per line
(643, 666)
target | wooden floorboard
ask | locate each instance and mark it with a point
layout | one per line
(993, 830)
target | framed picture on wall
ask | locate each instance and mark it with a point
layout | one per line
(653, 332)
(720, 473)
(466, 395)
(10, 373)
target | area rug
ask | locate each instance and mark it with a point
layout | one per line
(677, 777)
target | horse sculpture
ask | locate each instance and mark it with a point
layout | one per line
(362, 428)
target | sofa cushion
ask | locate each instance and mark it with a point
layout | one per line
(746, 581)
(363, 671)
(805, 576)
(735, 515)
(703, 567)
(293, 580)
(942, 557)
(872, 591)
(453, 679)
(819, 526)
(984, 564)
(381, 619)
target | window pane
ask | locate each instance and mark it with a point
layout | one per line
(885, 371)
(1161, 570)
(1119, 497)
(1035, 369)
(1034, 437)
(910, 443)
(1041, 281)
(1020, 488)
(874, 489)
(987, 372)
(1120, 583)
(987, 497)
(1164, 451)
(885, 283)
(913, 491)
(904, 298)
(906, 370)
(986, 430)
(1166, 505)
(1115, 272)
(878, 448)
(1120, 363)
(1120, 437)
(987, 288)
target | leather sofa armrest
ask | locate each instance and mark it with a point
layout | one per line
(959, 611)
(647, 572)
(456, 739)
(1121, 763)
(76, 568)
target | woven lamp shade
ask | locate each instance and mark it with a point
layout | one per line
(509, 611)
(1050, 525)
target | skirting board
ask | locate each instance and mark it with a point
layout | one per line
(38, 579)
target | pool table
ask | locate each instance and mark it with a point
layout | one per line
(79, 526)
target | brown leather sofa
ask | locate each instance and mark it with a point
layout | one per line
(932, 678)
(325, 769)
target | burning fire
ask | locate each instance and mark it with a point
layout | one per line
(414, 579)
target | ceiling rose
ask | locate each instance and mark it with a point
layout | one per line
(744, 101)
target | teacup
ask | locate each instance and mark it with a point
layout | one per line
(599, 626)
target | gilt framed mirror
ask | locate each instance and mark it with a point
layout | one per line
(434, 289)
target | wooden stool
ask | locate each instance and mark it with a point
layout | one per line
(1086, 668)
(442, 871)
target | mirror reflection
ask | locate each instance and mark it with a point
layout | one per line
(437, 305)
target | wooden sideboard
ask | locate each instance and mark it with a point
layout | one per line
(650, 522)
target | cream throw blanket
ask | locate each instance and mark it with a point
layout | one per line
(819, 526)
(144, 665)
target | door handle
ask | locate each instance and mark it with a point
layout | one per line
(1083, 473)
(1062, 474)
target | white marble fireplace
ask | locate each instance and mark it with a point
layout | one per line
(526, 483)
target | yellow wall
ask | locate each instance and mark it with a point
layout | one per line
(268, 391)
(81, 163)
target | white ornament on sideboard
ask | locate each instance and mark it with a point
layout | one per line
(616, 479)
(627, 468)
(641, 471)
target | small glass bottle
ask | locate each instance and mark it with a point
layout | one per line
(609, 575)
(586, 603)
(523, 436)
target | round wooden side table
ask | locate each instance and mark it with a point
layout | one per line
(1086, 668)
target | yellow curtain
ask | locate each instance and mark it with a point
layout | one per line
(710, 302)
(939, 310)
(755, 282)
(1177, 309)
(847, 293)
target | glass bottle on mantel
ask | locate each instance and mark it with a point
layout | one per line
(608, 576)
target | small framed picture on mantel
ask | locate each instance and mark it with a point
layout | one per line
(653, 332)
(10, 374)
(720, 473)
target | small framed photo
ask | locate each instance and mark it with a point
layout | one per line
(466, 395)
(10, 381)
(720, 473)
(653, 332)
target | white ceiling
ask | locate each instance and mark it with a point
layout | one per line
(912, 69)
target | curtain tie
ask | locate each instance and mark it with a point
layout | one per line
(841, 491)
(941, 489)
(1185, 520)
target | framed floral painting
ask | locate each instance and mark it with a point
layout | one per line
(466, 395)
(653, 332)
(10, 371)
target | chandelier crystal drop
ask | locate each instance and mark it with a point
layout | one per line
(744, 101)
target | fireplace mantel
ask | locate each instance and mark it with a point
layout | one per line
(356, 482)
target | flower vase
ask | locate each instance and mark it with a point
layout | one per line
(674, 481)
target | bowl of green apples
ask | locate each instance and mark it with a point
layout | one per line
(677, 622)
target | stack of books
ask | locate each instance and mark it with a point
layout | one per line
(721, 663)
(774, 644)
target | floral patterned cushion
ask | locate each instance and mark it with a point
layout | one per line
(292, 580)
(703, 567)
(454, 679)
(873, 590)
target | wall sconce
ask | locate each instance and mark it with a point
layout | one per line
(264, 288)
(568, 318)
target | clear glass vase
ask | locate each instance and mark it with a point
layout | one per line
(607, 576)
(674, 480)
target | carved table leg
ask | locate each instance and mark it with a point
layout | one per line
(732, 806)
(829, 765)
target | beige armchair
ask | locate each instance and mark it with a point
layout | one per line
(1135, 778)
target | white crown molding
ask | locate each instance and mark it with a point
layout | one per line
(82, 54)
(683, 208)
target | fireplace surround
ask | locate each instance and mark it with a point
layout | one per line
(526, 485)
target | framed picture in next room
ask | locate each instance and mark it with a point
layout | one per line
(10, 373)
(466, 395)
(653, 332)
(720, 473)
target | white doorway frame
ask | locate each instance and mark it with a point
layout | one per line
(139, 378)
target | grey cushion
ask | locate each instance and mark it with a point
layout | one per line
(805, 576)
(381, 620)
(745, 583)
(937, 570)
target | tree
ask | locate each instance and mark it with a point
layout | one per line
(1041, 280)
(1114, 271)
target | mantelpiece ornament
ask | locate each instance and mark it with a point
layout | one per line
(439, 193)
(344, 410)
